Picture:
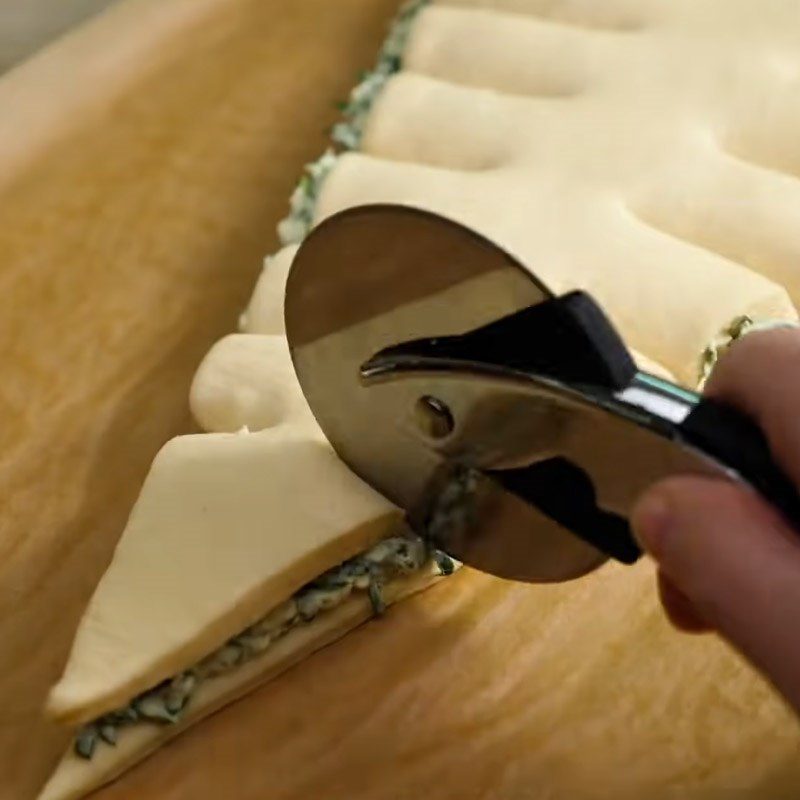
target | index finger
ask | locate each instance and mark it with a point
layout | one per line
(760, 375)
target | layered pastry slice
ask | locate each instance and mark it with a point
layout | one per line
(643, 151)
(244, 553)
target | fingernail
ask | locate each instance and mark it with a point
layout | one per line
(651, 521)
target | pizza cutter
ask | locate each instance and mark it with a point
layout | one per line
(511, 425)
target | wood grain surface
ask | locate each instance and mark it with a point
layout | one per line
(27, 25)
(144, 162)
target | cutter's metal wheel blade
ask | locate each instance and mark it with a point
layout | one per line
(375, 276)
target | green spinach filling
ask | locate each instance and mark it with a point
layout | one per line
(346, 134)
(368, 573)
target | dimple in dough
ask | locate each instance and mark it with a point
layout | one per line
(247, 381)
(646, 152)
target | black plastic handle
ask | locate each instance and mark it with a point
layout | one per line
(737, 443)
(570, 339)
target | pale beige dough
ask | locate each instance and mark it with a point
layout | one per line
(614, 15)
(248, 381)
(75, 777)
(637, 163)
(227, 526)
(264, 313)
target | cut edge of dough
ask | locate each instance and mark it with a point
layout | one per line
(75, 777)
(71, 707)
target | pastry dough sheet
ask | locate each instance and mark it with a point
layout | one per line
(484, 689)
(646, 152)
(614, 147)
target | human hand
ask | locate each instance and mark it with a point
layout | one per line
(727, 561)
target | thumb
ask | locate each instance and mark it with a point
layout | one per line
(737, 563)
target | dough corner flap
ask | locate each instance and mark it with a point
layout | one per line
(215, 540)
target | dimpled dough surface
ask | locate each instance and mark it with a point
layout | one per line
(646, 151)
(631, 149)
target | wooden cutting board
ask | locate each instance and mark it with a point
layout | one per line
(144, 162)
